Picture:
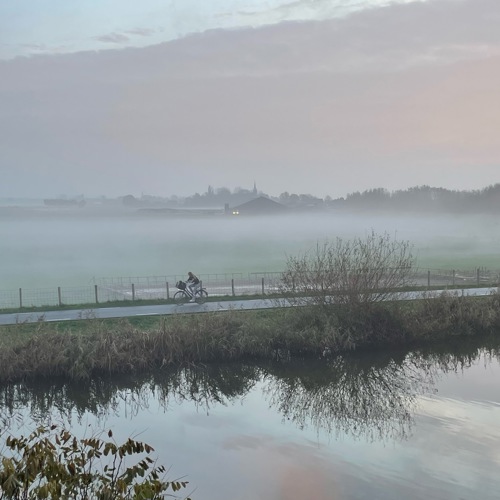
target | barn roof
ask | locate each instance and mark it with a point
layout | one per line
(260, 205)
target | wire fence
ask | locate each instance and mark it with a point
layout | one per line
(117, 289)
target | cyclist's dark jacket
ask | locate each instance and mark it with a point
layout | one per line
(194, 280)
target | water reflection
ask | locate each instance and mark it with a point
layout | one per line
(371, 396)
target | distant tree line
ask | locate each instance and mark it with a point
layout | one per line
(415, 199)
(425, 199)
(218, 197)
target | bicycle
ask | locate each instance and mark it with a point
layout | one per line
(183, 296)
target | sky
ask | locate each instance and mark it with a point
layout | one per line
(324, 97)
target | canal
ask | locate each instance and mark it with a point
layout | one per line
(423, 423)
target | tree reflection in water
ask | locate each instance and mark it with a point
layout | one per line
(360, 396)
(370, 395)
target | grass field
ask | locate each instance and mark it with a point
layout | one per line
(41, 251)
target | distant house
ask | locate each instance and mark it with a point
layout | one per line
(259, 206)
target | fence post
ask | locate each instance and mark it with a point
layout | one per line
(21, 298)
(429, 278)
(96, 297)
(453, 277)
(263, 285)
(133, 291)
(232, 286)
(293, 285)
(59, 295)
(168, 292)
(478, 276)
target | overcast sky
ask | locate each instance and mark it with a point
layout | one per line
(325, 97)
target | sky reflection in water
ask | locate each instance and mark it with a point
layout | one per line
(389, 426)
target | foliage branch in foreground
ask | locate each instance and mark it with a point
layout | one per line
(51, 463)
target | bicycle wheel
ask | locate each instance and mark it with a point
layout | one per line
(180, 297)
(201, 296)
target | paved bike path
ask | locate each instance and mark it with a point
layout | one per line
(189, 308)
(131, 311)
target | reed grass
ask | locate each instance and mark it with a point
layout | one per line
(94, 347)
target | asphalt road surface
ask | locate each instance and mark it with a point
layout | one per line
(167, 309)
(132, 311)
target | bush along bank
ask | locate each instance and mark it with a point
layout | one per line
(100, 347)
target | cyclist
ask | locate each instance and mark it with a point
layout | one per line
(192, 284)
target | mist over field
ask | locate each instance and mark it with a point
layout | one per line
(43, 248)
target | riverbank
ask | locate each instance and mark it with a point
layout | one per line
(95, 347)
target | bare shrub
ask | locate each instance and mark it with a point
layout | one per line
(359, 271)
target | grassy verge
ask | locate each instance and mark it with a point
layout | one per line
(86, 348)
